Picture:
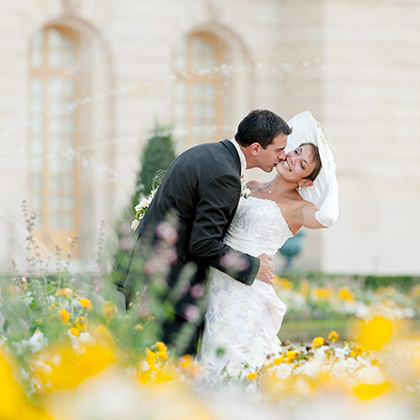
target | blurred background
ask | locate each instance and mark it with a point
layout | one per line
(84, 82)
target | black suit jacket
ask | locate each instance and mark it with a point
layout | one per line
(200, 192)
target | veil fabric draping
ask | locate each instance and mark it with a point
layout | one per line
(307, 129)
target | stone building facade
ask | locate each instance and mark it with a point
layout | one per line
(82, 83)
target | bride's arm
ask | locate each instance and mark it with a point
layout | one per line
(327, 215)
(307, 216)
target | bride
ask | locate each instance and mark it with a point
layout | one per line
(242, 322)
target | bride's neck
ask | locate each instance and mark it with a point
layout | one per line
(277, 185)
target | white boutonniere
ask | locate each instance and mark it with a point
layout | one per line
(246, 192)
(141, 208)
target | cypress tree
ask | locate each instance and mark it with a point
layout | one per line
(158, 154)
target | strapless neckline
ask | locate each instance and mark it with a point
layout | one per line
(275, 204)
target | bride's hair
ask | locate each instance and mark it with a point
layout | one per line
(317, 159)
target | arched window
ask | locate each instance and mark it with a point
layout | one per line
(198, 94)
(53, 134)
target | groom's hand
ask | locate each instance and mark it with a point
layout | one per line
(266, 271)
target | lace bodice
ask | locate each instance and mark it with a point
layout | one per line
(258, 227)
(244, 320)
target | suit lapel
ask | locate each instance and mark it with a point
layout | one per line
(229, 145)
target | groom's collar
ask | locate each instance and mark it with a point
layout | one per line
(241, 156)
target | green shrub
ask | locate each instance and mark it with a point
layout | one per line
(158, 154)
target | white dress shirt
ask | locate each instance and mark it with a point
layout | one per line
(241, 157)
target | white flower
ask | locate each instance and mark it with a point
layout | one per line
(234, 369)
(283, 371)
(144, 203)
(310, 369)
(141, 208)
(86, 338)
(42, 367)
(27, 300)
(246, 192)
(370, 375)
(24, 374)
(409, 312)
(37, 342)
(134, 224)
(320, 355)
(144, 366)
(56, 359)
(51, 299)
(341, 353)
(349, 365)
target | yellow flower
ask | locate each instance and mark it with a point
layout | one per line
(139, 327)
(333, 336)
(162, 355)
(345, 294)
(282, 282)
(150, 357)
(368, 391)
(304, 287)
(317, 342)
(81, 323)
(86, 303)
(102, 333)
(252, 375)
(161, 346)
(64, 367)
(415, 291)
(324, 293)
(74, 331)
(375, 333)
(109, 310)
(186, 363)
(278, 360)
(12, 396)
(66, 292)
(64, 315)
(357, 351)
(291, 355)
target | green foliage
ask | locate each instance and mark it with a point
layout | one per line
(158, 154)
(306, 330)
(156, 158)
(318, 296)
(41, 308)
(372, 282)
(402, 283)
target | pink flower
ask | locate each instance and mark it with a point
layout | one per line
(197, 291)
(233, 261)
(167, 232)
(170, 256)
(150, 267)
(191, 313)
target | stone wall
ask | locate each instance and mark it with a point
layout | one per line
(354, 64)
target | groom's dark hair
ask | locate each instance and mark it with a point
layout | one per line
(261, 126)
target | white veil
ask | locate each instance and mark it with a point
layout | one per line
(307, 130)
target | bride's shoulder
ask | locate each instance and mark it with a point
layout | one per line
(253, 184)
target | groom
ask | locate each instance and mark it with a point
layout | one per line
(190, 215)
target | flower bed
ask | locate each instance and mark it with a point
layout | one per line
(67, 349)
(331, 300)
(68, 353)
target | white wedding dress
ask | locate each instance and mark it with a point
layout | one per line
(242, 321)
